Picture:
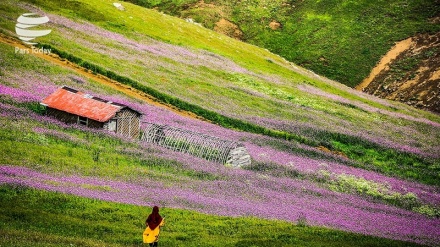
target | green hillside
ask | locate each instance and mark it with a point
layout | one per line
(114, 224)
(330, 166)
(341, 40)
(90, 170)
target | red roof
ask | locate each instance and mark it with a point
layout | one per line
(81, 104)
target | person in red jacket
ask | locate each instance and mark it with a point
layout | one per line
(153, 224)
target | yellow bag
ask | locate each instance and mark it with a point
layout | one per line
(150, 236)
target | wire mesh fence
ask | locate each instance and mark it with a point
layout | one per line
(201, 145)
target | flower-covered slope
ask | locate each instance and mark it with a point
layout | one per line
(297, 180)
(226, 76)
(296, 185)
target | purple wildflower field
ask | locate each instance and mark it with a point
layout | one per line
(246, 194)
(179, 71)
(233, 192)
(236, 192)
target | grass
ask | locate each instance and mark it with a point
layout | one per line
(79, 152)
(179, 32)
(366, 154)
(174, 80)
(73, 151)
(389, 161)
(351, 184)
(87, 154)
(32, 217)
(344, 40)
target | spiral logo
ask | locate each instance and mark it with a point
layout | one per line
(25, 24)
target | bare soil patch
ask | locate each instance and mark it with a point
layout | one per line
(409, 72)
(384, 62)
(228, 28)
(275, 25)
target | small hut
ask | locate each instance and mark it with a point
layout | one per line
(72, 106)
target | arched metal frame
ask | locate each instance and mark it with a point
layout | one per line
(197, 144)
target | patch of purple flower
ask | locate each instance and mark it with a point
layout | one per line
(316, 91)
(17, 94)
(246, 194)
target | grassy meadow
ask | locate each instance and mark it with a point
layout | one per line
(341, 40)
(244, 88)
(40, 218)
(330, 166)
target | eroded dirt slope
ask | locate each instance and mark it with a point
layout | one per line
(409, 73)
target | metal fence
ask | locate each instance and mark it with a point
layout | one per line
(204, 146)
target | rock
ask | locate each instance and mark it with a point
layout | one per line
(275, 25)
(119, 6)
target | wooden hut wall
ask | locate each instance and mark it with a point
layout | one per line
(62, 115)
(128, 123)
(71, 118)
(94, 124)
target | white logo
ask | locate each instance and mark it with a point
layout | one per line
(30, 20)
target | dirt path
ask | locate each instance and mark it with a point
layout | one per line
(55, 59)
(391, 55)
